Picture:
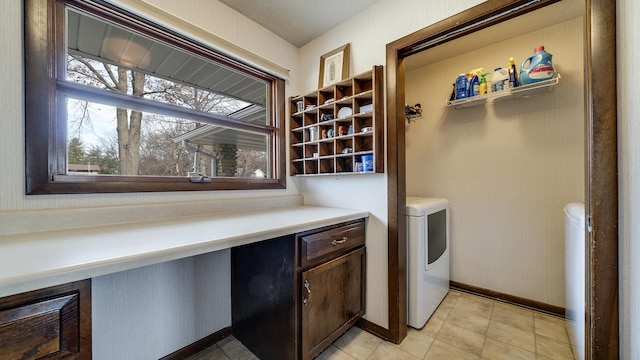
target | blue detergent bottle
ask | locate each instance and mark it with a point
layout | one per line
(461, 86)
(537, 67)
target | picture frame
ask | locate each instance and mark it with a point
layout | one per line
(334, 66)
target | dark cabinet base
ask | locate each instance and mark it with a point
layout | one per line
(51, 323)
(263, 292)
(292, 296)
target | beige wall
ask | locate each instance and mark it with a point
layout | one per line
(507, 168)
(368, 33)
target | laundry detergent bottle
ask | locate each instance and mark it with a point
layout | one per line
(536, 67)
(474, 83)
(462, 84)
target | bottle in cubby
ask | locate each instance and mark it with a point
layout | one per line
(297, 105)
(343, 127)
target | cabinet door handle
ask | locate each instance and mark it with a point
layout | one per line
(336, 242)
(306, 286)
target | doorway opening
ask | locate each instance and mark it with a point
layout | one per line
(599, 167)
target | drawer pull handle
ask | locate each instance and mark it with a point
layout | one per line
(306, 286)
(336, 242)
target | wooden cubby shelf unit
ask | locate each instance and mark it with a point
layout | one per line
(348, 120)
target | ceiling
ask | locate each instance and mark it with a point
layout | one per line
(299, 21)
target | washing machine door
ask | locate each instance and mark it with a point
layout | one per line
(436, 237)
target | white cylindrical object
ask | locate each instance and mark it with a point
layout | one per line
(575, 245)
(313, 133)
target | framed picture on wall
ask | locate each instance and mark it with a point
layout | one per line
(334, 66)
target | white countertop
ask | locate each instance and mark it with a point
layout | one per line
(37, 260)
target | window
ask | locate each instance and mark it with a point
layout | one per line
(116, 103)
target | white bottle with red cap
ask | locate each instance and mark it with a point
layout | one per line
(537, 67)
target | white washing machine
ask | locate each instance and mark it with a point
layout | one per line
(575, 249)
(427, 257)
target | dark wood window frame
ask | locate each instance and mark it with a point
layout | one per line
(45, 118)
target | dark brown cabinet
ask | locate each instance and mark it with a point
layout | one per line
(294, 295)
(51, 323)
(333, 300)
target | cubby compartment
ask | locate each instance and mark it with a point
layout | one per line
(362, 84)
(326, 148)
(310, 151)
(342, 127)
(297, 152)
(297, 121)
(344, 164)
(310, 167)
(310, 117)
(326, 97)
(297, 167)
(293, 105)
(297, 137)
(344, 146)
(326, 113)
(363, 104)
(338, 113)
(310, 101)
(343, 92)
(362, 143)
(327, 166)
(362, 124)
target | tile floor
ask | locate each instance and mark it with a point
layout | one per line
(464, 326)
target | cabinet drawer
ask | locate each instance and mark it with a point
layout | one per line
(51, 323)
(326, 244)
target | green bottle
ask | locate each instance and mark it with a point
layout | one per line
(483, 83)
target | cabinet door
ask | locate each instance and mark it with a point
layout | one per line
(51, 323)
(333, 299)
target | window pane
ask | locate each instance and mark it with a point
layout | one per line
(110, 57)
(150, 144)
